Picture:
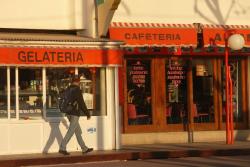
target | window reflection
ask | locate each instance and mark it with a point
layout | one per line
(3, 93)
(30, 93)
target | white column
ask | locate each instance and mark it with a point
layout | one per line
(103, 91)
(117, 112)
(44, 79)
(111, 105)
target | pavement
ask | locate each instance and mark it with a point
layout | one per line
(132, 152)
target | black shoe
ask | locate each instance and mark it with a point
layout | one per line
(63, 152)
(87, 151)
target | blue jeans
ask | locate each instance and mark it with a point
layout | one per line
(74, 127)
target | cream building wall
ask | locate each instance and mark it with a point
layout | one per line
(48, 14)
(231, 12)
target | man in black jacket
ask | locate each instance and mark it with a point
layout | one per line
(73, 118)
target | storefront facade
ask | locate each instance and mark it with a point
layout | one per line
(179, 88)
(174, 78)
(33, 73)
(42, 44)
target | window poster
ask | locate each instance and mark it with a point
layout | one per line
(176, 76)
(138, 78)
(139, 90)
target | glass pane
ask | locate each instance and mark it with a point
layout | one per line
(3, 93)
(235, 71)
(30, 93)
(203, 109)
(237, 90)
(93, 89)
(57, 79)
(12, 93)
(176, 89)
(139, 107)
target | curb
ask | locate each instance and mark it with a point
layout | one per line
(119, 155)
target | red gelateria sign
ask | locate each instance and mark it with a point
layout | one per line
(60, 56)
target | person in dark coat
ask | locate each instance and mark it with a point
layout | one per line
(73, 117)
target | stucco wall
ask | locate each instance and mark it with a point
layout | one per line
(185, 11)
(182, 137)
(46, 14)
(37, 136)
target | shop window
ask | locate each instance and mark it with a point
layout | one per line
(91, 84)
(203, 94)
(8, 84)
(3, 93)
(139, 107)
(30, 93)
(176, 91)
(93, 89)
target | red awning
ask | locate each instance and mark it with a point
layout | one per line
(154, 34)
(38, 49)
(213, 35)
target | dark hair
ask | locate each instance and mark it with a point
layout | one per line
(75, 78)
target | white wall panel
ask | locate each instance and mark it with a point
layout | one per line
(25, 137)
(4, 140)
(54, 131)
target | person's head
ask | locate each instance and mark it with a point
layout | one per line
(75, 80)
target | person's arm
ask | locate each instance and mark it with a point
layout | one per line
(81, 103)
